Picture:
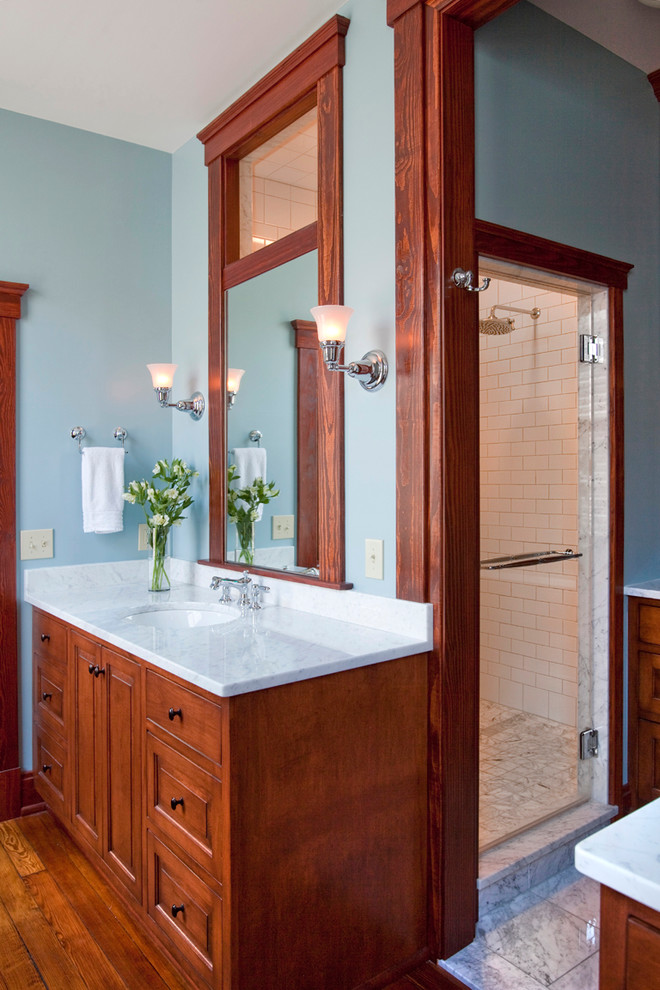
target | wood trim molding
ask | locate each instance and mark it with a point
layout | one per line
(312, 75)
(308, 358)
(538, 252)
(654, 79)
(297, 74)
(10, 774)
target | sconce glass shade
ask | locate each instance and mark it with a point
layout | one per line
(162, 375)
(331, 322)
(234, 376)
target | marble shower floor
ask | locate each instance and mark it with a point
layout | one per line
(527, 771)
(547, 937)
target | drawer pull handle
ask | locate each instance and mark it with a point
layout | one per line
(176, 801)
(46, 696)
(176, 908)
(95, 669)
(46, 767)
(45, 638)
(173, 712)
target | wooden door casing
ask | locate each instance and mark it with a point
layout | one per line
(10, 773)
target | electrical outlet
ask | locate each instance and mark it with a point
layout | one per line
(143, 537)
(283, 527)
(373, 559)
(36, 544)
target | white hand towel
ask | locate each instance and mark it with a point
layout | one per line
(102, 489)
(251, 464)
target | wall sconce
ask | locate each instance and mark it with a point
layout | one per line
(234, 376)
(331, 322)
(162, 378)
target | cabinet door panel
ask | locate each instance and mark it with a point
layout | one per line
(649, 683)
(122, 765)
(648, 761)
(87, 741)
(50, 699)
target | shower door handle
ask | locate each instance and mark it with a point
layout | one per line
(527, 559)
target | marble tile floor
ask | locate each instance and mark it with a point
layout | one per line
(527, 771)
(547, 937)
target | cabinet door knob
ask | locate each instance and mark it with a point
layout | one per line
(98, 670)
(46, 696)
(176, 908)
(176, 801)
(91, 668)
(46, 767)
(45, 637)
(173, 712)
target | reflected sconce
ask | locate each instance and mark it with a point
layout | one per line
(331, 322)
(234, 376)
(162, 378)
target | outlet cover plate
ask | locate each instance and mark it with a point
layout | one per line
(373, 559)
(283, 527)
(143, 536)
(36, 544)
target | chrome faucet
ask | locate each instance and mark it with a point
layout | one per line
(227, 584)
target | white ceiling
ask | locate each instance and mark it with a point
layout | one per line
(156, 71)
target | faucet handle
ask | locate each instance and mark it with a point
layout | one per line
(257, 590)
(245, 578)
(216, 581)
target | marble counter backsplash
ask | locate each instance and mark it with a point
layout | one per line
(301, 632)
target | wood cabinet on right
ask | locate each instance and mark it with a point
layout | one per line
(644, 698)
(630, 944)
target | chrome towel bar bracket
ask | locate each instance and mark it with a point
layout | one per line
(79, 433)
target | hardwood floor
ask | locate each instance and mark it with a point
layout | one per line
(62, 927)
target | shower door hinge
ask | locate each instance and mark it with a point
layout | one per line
(592, 349)
(588, 744)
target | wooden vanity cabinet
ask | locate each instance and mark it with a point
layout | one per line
(106, 745)
(51, 711)
(644, 698)
(269, 840)
(629, 945)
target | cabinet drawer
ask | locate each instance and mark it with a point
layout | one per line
(186, 715)
(50, 769)
(649, 682)
(185, 910)
(186, 803)
(50, 696)
(48, 636)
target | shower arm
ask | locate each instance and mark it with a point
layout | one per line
(534, 313)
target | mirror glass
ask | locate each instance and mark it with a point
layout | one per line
(261, 341)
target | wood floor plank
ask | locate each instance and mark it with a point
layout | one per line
(56, 969)
(137, 960)
(17, 971)
(19, 849)
(74, 937)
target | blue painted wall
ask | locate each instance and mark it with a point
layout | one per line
(568, 147)
(85, 220)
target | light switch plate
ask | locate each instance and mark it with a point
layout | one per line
(36, 544)
(143, 536)
(283, 527)
(373, 559)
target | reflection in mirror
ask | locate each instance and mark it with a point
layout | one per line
(261, 340)
(278, 184)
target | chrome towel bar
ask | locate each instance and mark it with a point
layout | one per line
(527, 559)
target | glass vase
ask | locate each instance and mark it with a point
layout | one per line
(245, 542)
(158, 579)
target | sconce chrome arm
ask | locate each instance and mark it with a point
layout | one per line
(370, 371)
(195, 405)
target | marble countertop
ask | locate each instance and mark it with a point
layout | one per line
(626, 855)
(301, 632)
(645, 589)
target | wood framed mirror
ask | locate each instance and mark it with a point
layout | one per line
(310, 78)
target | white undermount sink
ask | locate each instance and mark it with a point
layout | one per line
(182, 616)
